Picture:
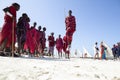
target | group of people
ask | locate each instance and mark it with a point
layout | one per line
(103, 51)
(63, 44)
(30, 39)
(116, 51)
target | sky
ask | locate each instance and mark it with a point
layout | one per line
(97, 20)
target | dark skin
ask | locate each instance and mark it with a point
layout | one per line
(52, 34)
(6, 9)
(58, 51)
(44, 29)
(70, 13)
(17, 7)
(34, 25)
(39, 28)
(59, 36)
(25, 16)
(28, 19)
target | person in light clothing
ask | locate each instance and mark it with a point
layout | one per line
(96, 51)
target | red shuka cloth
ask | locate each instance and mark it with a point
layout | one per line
(6, 32)
(59, 44)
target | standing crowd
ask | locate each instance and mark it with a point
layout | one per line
(30, 40)
(116, 51)
(103, 51)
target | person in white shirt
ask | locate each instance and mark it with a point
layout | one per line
(96, 51)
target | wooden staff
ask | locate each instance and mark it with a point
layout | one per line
(13, 37)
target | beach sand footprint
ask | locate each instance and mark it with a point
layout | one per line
(104, 76)
(78, 75)
(3, 77)
(46, 72)
(21, 77)
(97, 76)
(116, 78)
(34, 67)
(41, 73)
(94, 67)
(49, 78)
(76, 66)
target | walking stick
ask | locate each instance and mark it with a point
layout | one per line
(13, 38)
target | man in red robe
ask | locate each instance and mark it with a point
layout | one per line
(51, 44)
(66, 48)
(22, 26)
(33, 42)
(9, 24)
(27, 41)
(39, 41)
(70, 27)
(59, 45)
(43, 41)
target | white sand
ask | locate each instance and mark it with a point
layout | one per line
(58, 69)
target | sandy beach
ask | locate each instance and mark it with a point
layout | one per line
(58, 69)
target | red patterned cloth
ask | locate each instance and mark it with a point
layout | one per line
(59, 44)
(51, 41)
(33, 40)
(6, 32)
(70, 28)
(70, 23)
